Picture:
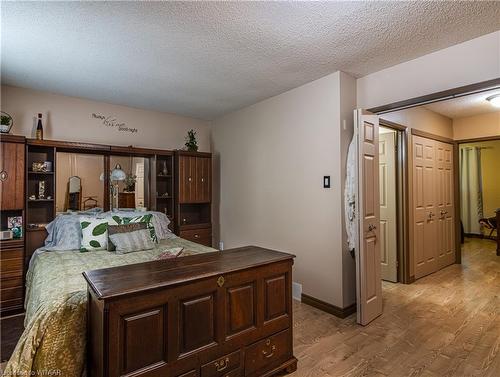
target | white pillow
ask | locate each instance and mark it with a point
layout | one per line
(94, 233)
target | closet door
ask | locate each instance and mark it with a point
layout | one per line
(445, 204)
(424, 233)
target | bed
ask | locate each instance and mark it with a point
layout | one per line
(54, 339)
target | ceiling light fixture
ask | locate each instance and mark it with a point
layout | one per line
(494, 100)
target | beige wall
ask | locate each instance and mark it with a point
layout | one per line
(490, 158)
(482, 125)
(270, 161)
(422, 119)
(70, 119)
(467, 63)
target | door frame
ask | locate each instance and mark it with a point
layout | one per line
(423, 100)
(402, 204)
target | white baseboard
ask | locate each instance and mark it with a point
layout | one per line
(297, 291)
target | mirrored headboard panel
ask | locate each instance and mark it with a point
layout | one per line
(79, 181)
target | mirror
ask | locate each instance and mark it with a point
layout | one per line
(74, 194)
(129, 182)
(78, 186)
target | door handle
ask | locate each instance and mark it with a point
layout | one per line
(3, 176)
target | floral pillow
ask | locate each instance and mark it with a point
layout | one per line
(137, 219)
(94, 234)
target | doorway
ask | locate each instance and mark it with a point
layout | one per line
(479, 188)
(388, 203)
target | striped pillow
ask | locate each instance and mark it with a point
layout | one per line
(132, 241)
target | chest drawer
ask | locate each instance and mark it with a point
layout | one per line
(192, 373)
(202, 236)
(11, 282)
(11, 253)
(221, 366)
(11, 267)
(12, 293)
(268, 352)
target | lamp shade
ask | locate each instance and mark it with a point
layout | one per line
(117, 174)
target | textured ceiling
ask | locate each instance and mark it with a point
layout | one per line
(473, 104)
(204, 59)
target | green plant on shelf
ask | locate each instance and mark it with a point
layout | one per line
(191, 143)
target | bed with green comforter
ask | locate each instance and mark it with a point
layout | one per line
(54, 339)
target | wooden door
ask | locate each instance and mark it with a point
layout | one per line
(445, 204)
(12, 176)
(424, 224)
(369, 284)
(388, 221)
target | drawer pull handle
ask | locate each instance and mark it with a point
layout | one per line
(267, 354)
(3, 176)
(222, 364)
(196, 236)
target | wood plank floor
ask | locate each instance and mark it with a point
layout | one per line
(446, 324)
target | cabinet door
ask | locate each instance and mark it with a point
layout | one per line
(206, 180)
(12, 176)
(202, 180)
(186, 172)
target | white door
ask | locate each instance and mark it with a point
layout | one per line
(388, 224)
(424, 240)
(368, 279)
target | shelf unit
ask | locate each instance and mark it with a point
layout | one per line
(39, 212)
(193, 193)
(164, 184)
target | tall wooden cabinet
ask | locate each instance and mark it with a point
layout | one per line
(12, 163)
(432, 208)
(193, 196)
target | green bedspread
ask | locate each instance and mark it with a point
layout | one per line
(54, 339)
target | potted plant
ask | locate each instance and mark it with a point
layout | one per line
(6, 122)
(191, 143)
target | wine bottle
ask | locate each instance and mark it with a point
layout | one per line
(39, 128)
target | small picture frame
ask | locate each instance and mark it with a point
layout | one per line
(15, 223)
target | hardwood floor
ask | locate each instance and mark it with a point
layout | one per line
(446, 324)
(11, 329)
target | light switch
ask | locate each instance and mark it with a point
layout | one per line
(326, 181)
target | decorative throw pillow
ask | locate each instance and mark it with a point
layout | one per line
(94, 234)
(139, 219)
(132, 241)
(171, 253)
(124, 228)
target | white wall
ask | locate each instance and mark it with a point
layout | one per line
(482, 125)
(467, 63)
(271, 158)
(70, 119)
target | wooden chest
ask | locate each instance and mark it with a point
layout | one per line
(216, 314)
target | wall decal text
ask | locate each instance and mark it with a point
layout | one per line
(110, 121)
